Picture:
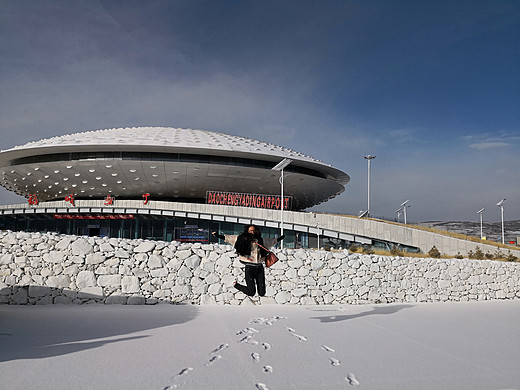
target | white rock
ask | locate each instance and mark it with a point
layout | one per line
(159, 273)
(183, 254)
(184, 272)
(181, 290)
(62, 281)
(206, 299)
(81, 247)
(95, 258)
(145, 247)
(303, 271)
(85, 279)
(4, 289)
(122, 254)
(109, 281)
(299, 292)
(6, 259)
(130, 284)
(106, 247)
(282, 297)
(224, 261)
(192, 262)
(334, 263)
(155, 261)
(90, 293)
(215, 289)
(308, 301)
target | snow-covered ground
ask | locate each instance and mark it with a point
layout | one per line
(473, 345)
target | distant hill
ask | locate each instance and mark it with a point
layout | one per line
(491, 230)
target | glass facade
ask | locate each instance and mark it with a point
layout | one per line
(164, 228)
(138, 226)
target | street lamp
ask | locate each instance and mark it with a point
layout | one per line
(398, 212)
(404, 206)
(280, 167)
(480, 213)
(501, 205)
(369, 157)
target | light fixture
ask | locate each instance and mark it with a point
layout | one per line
(280, 167)
(501, 205)
(404, 206)
(368, 158)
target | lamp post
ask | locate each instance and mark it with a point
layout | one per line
(480, 213)
(398, 212)
(280, 167)
(501, 205)
(404, 206)
(369, 157)
(318, 231)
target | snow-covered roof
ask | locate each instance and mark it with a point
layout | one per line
(169, 137)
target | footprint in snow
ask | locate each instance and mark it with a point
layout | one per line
(219, 348)
(248, 339)
(261, 386)
(247, 331)
(334, 362)
(266, 321)
(266, 346)
(213, 360)
(293, 332)
(328, 349)
(299, 337)
(184, 371)
(351, 379)
(255, 356)
(268, 369)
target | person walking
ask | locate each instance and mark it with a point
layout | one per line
(249, 248)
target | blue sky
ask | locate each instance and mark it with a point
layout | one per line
(432, 88)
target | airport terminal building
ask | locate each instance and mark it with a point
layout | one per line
(168, 184)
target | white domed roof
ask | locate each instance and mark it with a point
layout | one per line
(169, 137)
(169, 163)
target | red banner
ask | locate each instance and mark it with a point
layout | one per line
(90, 216)
(247, 200)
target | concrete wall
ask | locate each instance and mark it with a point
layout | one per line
(49, 268)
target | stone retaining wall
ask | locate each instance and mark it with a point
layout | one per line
(38, 268)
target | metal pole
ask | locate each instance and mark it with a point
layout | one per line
(318, 226)
(481, 232)
(501, 205)
(281, 209)
(369, 157)
(279, 167)
(502, 212)
(404, 210)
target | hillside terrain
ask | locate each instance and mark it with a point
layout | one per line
(491, 230)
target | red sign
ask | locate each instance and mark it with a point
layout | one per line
(90, 216)
(145, 196)
(109, 200)
(70, 199)
(33, 199)
(247, 200)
